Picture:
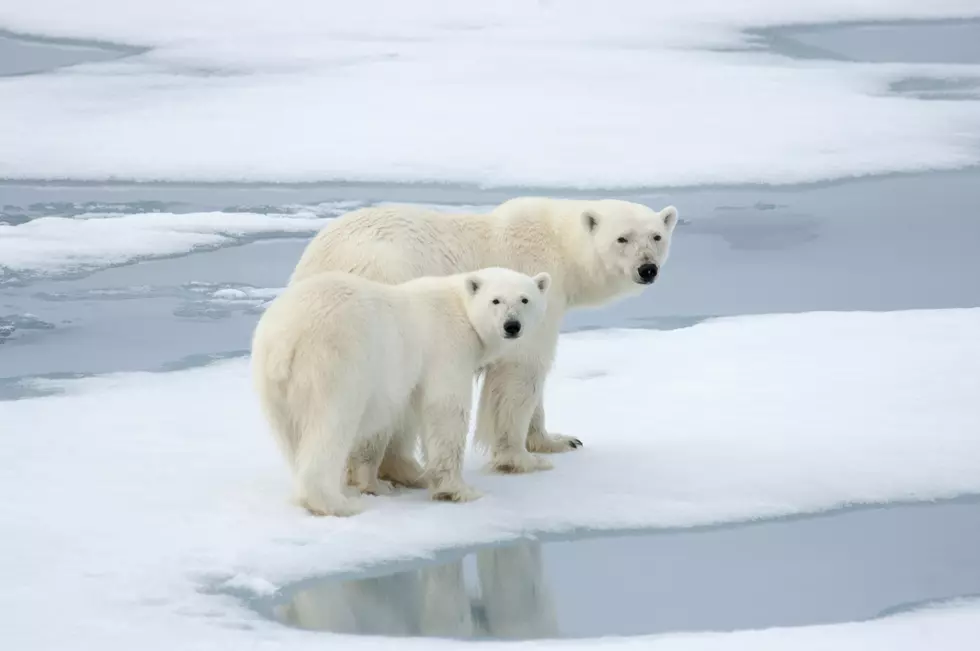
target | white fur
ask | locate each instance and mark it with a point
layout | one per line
(339, 362)
(574, 241)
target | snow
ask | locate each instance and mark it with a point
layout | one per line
(132, 500)
(556, 94)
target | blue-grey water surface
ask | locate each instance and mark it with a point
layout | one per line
(849, 565)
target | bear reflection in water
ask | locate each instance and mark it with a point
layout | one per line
(513, 601)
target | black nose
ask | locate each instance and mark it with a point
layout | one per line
(512, 328)
(647, 272)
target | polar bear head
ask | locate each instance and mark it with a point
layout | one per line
(630, 239)
(504, 305)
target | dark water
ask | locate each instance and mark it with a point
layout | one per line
(846, 566)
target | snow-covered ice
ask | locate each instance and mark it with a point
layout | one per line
(131, 498)
(559, 94)
(64, 245)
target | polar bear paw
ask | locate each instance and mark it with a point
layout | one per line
(402, 472)
(341, 508)
(376, 487)
(512, 464)
(364, 478)
(462, 493)
(552, 443)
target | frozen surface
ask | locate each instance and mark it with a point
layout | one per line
(133, 497)
(563, 94)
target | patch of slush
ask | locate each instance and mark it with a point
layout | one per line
(133, 498)
(226, 299)
(11, 323)
(199, 298)
(18, 214)
(557, 94)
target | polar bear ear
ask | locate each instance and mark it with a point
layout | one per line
(473, 284)
(591, 220)
(669, 215)
(543, 281)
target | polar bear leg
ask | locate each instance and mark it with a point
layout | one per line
(446, 424)
(539, 440)
(399, 465)
(325, 445)
(364, 464)
(511, 391)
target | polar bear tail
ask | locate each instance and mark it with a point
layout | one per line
(277, 412)
(271, 377)
(288, 433)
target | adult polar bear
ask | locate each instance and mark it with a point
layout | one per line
(595, 251)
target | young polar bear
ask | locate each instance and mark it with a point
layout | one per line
(595, 251)
(339, 362)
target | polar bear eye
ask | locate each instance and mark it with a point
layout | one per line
(524, 300)
(496, 301)
(656, 238)
(623, 240)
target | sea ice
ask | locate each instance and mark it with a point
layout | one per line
(132, 498)
(50, 246)
(558, 94)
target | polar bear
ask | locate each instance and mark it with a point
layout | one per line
(340, 361)
(594, 250)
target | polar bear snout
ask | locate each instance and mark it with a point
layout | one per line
(512, 329)
(646, 273)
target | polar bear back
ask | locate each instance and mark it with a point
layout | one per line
(339, 334)
(396, 243)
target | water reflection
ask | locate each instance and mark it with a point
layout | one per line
(511, 600)
(850, 565)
